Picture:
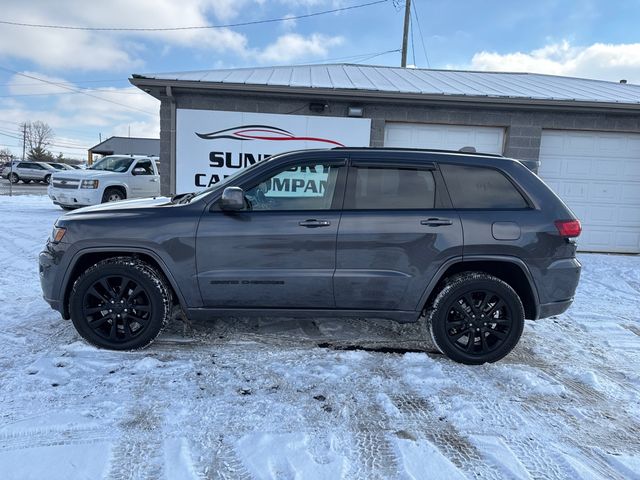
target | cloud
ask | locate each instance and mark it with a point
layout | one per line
(62, 50)
(600, 61)
(293, 46)
(96, 50)
(290, 23)
(76, 118)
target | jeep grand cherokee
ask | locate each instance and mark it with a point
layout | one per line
(468, 244)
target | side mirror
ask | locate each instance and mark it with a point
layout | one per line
(138, 171)
(232, 199)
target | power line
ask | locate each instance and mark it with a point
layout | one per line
(61, 85)
(70, 93)
(106, 80)
(379, 55)
(199, 27)
(58, 145)
(424, 48)
(360, 57)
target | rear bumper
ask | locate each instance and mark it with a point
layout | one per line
(557, 286)
(555, 308)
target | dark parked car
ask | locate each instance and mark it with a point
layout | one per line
(468, 244)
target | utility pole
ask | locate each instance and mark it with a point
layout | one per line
(24, 139)
(405, 34)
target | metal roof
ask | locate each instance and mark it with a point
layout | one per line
(393, 81)
(128, 146)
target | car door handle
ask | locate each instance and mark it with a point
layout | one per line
(436, 222)
(313, 223)
(153, 180)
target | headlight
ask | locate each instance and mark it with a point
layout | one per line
(89, 184)
(58, 234)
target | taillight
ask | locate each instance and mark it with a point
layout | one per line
(568, 228)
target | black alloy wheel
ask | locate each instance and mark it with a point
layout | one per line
(476, 318)
(120, 303)
(117, 308)
(478, 322)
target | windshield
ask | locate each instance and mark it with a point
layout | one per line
(113, 164)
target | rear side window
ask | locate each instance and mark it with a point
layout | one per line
(480, 187)
(388, 188)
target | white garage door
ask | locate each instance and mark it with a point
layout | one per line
(445, 137)
(598, 175)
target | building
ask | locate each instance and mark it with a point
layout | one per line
(126, 146)
(583, 134)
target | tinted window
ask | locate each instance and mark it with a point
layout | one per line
(388, 188)
(308, 187)
(479, 187)
(146, 165)
(23, 165)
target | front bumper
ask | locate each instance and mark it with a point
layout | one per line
(74, 197)
(50, 278)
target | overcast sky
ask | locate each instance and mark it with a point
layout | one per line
(586, 38)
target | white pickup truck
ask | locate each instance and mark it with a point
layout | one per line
(110, 179)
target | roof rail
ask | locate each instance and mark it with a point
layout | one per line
(426, 150)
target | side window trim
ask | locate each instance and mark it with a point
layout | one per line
(394, 164)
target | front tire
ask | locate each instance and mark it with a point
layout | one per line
(112, 195)
(476, 318)
(120, 303)
(47, 179)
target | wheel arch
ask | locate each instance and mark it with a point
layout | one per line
(119, 186)
(511, 270)
(88, 257)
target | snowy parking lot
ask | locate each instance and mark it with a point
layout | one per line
(327, 399)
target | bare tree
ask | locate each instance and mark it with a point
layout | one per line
(6, 156)
(38, 136)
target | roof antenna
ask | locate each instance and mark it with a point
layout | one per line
(468, 150)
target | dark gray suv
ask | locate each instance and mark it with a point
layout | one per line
(468, 244)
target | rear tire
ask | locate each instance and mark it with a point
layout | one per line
(113, 195)
(14, 178)
(47, 179)
(120, 303)
(476, 318)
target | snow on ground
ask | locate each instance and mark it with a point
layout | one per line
(288, 399)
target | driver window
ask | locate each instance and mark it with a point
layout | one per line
(146, 164)
(304, 187)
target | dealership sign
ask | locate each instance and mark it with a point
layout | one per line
(211, 145)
